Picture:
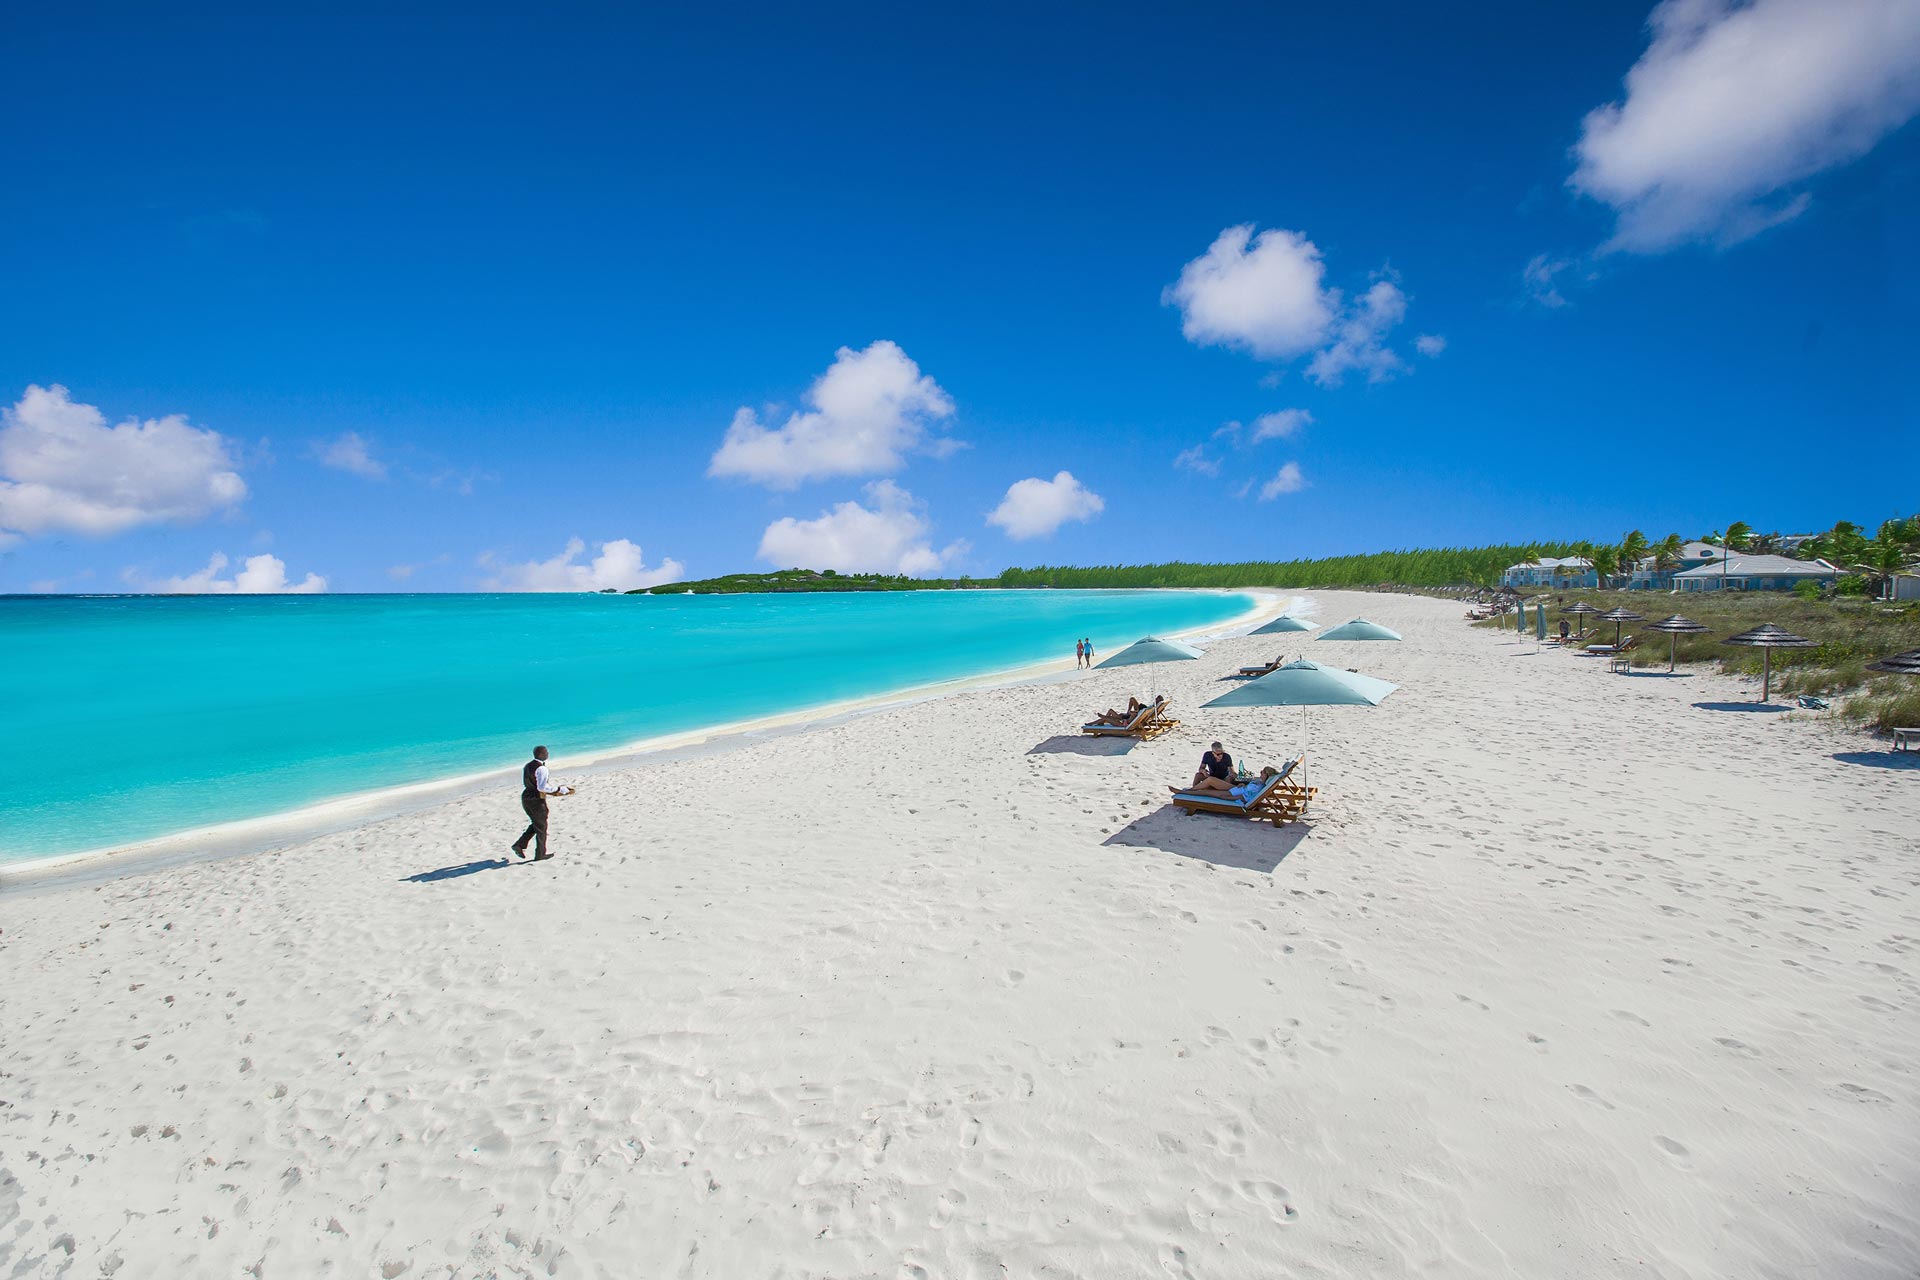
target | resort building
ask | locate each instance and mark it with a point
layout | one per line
(1645, 577)
(1906, 586)
(1552, 571)
(1755, 573)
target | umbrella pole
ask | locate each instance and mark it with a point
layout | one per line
(1673, 647)
(1766, 671)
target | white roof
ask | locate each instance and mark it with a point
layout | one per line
(1739, 566)
(1554, 562)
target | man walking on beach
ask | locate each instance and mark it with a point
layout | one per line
(1087, 648)
(535, 786)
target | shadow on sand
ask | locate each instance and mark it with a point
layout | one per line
(1740, 706)
(1083, 744)
(1903, 760)
(464, 869)
(1225, 842)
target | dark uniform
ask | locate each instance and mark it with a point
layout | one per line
(536, 806)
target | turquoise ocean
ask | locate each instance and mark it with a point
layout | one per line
(126, 718)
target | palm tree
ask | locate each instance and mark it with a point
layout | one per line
(1633, 549)
(1606, 560)
(1666, 553)
(1734, 540)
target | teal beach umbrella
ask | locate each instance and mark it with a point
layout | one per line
(1152, 650)
(1358, 629)
(1540, 621)
(1285, 622)
(1308, 684)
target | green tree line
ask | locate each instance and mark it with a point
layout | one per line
(1431, 567)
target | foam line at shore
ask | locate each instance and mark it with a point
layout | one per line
(244, 836)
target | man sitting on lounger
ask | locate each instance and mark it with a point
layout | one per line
(1216, 770)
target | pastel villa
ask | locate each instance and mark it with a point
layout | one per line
(1700, 566)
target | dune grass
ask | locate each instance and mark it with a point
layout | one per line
(1850, 633)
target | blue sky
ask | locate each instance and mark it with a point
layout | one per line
(418, 303)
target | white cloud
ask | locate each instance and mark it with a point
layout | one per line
(1034, 508)
(1359, 344)
(868, 411)
(619, 567)
(1283, 425)
(62, 468)
(351, 453)
(1287, 480)
(1198, 459)
(1261, 293)
(262, 575)
(888, 537)
(1540, 279)
(1733, 104)
(1265, 294)
(1430, 344)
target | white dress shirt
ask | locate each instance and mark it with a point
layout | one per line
(544, 784)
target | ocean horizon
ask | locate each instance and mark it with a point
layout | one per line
(147, 716)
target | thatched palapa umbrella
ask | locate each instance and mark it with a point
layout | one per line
(1766, 637)
(1618, 616)
(1900, 664)
(1580, 609)
(1675, 627)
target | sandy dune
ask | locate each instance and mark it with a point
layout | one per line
(1567, 974)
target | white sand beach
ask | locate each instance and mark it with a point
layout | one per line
(1564, 974)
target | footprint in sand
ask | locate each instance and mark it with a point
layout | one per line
(1581, 1091)
(1669, 1146)
(949, 1203)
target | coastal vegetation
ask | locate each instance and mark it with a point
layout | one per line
(788, 580)
(1435, 567)
(1849, 632)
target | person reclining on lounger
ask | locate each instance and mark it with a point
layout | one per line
(1241, 791)
(1118, 718)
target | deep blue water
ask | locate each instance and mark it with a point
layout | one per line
(131, 717)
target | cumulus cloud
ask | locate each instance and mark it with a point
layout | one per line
(1429, 344)
(1287, 480)
(261, 575)
(1034, 508)
(1259, 293)
(351, 453)
(1734, 104)
(1359, 344)
(618, 567)
(889, 536)
(867, 412)
(1267, 295)
(63, 469)
(1283, 425)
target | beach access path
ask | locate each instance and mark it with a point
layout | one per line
(1565, 973)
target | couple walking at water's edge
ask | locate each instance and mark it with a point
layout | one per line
(536, 784)
(1083, 653)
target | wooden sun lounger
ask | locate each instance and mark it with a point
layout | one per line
(1264, 669)
(1622, 647)
(1148, 723)
(1280, 802)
